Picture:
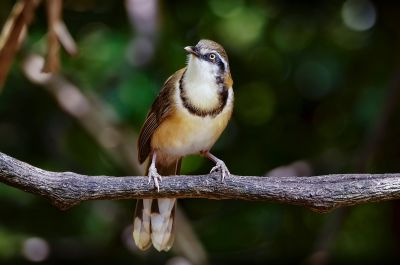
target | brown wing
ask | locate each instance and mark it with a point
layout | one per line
(160, 110)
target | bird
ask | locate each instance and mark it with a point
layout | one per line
(187, 117)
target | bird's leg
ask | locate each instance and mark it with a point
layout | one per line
(220, 165)
(153, 174)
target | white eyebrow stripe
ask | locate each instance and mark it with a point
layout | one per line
(223, 60)
(206, 50)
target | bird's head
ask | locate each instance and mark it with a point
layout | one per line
(209, 58)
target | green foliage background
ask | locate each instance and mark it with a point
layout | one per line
(308, 87)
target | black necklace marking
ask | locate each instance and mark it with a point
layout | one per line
(222, 94)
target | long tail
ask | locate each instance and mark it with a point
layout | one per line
(154, 220)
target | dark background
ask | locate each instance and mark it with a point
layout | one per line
(317, 92)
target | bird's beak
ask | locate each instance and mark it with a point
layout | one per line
(192, 50)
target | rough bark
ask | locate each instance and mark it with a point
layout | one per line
(319, 193)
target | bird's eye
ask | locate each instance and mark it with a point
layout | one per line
(211, 56)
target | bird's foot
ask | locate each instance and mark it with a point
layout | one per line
(220, 166)
(153, 174)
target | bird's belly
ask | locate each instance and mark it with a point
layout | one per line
(184, 134)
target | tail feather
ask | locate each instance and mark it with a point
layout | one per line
(162, 220)
(154, 220)
(141, 224)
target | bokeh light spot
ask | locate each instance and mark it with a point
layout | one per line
(226, 8)
(243, 28)
(358, 15)
(35, 249)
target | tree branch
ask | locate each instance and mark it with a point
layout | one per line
(319, 193)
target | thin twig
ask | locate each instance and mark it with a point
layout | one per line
(54, 11)
(13, 31)
(65, 38)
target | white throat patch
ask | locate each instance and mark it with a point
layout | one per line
(200, 83)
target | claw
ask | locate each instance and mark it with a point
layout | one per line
(220, 166)
(153, 174)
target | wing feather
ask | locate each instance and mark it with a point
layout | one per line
(160, 110)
